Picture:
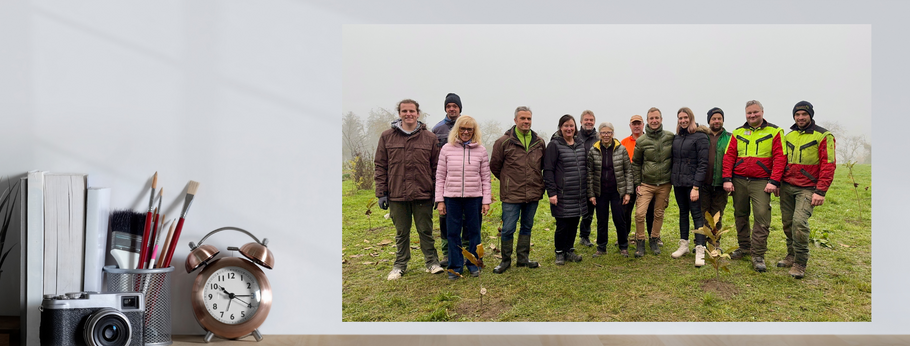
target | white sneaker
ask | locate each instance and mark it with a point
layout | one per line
(683, 248)
(395, 274)
(699, 256)
(435, 269)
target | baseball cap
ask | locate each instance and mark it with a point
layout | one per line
(635, 118)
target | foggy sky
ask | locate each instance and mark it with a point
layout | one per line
(614, 70)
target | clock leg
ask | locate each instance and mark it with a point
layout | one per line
(257, 335)
(208, 336)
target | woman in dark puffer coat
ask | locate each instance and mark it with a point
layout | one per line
(690, 164)
(609, 186)
(564, 175)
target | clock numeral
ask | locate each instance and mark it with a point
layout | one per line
(231, 276)
(220, 277)
(215, 306)
(241, 277)
(232, 317)
(248, 285)
(222, 314)
(242, 314)
(210, 296)
(249, 306)
(214, 286)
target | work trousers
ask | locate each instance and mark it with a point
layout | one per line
(795, 210)
(751, 193)
(714, 200)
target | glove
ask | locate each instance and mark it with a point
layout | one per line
(384, 202)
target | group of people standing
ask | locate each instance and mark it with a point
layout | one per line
(586, 171)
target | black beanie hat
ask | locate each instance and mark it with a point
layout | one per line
(453, 98)
(715, 110)
(804, 106)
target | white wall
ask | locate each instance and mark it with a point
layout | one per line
(244, 97)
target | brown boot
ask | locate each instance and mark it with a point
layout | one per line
(798, 271)
(654, 247)
(786, 262)
(639, 247)
(758, 263)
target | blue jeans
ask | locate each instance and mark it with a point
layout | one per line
(468, 208)
(510, 215)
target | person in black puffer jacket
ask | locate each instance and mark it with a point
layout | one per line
(690, 164)
(564, 174)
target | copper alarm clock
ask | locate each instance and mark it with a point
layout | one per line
(231, 296)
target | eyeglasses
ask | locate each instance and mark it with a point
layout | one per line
(466, 129)
(606, 133)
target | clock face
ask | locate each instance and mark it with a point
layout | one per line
(232, 295)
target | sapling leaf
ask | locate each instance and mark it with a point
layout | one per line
(480, 250)
(453, 272)
(469, 256)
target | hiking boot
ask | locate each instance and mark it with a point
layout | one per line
(738, 253)
(560, 258)
(699, 256)
(434, 269)
(654, 247)
(523, 250)
(395, 274)
(758, 263)
(786, 262)
(444, 262)
(624, 252)
(572, 256)
(453, 277)
(475, 273)
(599, 253)
(585, 241)
(683, 248)
(506, 257)
(798, 271)
(639, 247)
(660, 242)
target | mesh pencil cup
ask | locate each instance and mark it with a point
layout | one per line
(155, 284)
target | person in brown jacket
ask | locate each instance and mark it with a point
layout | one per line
(405, 164)
(517, 161)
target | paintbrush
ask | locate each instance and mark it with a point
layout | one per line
(148, 224)
(126, 237)
(191, 189)
(164, 247)
(154, 232)
(152, 262)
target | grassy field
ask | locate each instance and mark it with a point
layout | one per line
(837, 286)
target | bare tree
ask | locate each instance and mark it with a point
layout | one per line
(848, 148)
(378, 121)
(352, 136)
(491, 130)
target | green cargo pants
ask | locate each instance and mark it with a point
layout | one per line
(796, 209)
(422, 213)
(746, 193)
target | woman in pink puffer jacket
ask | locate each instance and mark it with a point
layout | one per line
(463, 190)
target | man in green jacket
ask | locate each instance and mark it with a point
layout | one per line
(651, 165)
(713, 196)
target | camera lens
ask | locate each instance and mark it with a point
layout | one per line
(107, 327)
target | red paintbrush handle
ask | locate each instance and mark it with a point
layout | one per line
(173, 245)
(153, 235)
(143, 251)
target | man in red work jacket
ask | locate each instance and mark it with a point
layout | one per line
(754, 164)
(809, 173)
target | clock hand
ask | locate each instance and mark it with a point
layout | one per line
(229, 305)
(242, 301)
(230, 295)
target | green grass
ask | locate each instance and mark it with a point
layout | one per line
(837, 286)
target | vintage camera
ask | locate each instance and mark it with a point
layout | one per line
(91, 318)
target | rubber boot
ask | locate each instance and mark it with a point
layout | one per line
(506, 257)
(639, 247)
(654, 247)
(523, 251)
